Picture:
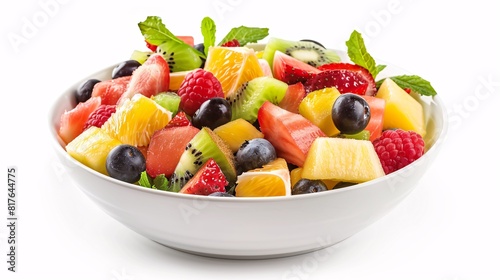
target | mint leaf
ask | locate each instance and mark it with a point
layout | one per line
(356, 50)
(413, 82)
(208, 30)
(145, 180)
(160, 182)
(156, 33)
(246, 35)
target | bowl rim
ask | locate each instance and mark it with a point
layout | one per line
(57, 144)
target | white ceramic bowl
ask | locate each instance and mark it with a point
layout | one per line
(249, 228)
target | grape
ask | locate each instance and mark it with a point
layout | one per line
(125, 163)
(254, 153)
(212, 113)
(84, 91)
(221, 194)
(304, 186)
(125, 68)
(350, 113)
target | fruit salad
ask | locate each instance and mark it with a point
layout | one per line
(229, 119)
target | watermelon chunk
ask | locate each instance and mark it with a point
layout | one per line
(291, 134)
(376, 123)
(73, 121)
(293, 96)
(110, 91)
(166, 147)
(149, 79)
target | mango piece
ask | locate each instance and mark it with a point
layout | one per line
(401, 110)
(317, 108)
(91, 148)
(342, 159)
(236, 132)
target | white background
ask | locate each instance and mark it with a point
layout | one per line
(447, 229)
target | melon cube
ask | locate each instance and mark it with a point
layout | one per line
(91, 148)
(317, 108)
(342, 159)
(401, 109)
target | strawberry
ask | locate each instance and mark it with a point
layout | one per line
(208, 179)
(197, 87)
(346, 77)
(291, 70)
(232, 43)
(180, 119)
(151, 46)
(291, 134)
(100, 116)
(398, 148)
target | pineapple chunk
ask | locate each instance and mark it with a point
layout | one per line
(91, 148)
(236, 132)
(342, 159)
(401, 110)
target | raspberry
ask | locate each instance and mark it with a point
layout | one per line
(398, 148)
(197, 87)
(232, 43)
(100, 116)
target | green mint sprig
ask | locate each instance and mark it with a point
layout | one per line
(160, 182)
(356, 50)
(245, 35)
(413, 82)
(208, 30)
(156, 33)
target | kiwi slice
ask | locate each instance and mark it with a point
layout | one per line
(204, 145)
(306, 51)
(168, 100)
(251, 95)
(140, 56)
(179, 56)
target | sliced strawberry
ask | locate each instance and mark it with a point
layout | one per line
(231, 43)
(291, 134)
(166, 147)
(180, 119)
(72, 122)
(346, 77)
(291, 70)
(110, 91)
(151, 46)
(208, 179)
(149, 79)
(293, 96)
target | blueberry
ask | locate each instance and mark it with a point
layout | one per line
(125, 163)
(212, 113)
(125, 68)
(254, 153)
(221, 194)
(350, 113)
(84, 91)
(304, 186)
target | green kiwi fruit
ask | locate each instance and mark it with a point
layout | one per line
(245, 103)
(179, 56)
(168, 100)
(306, 51)
(140, 56)
(204, 145)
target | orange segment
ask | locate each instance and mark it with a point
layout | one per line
(271, 180)
(233, 66)
(135, 120)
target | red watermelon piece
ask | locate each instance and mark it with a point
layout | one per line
(376, 123)
(293, 96)
(291, 134)
(110, 91)
(73, 121)
(291, 70)
(149, 79)
(166, 147)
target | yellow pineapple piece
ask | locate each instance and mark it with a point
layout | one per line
(296, 175)
(236, 132)
(317, 108)
(91, 148)
(135, 120)
(342, 159)
(401, 110)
